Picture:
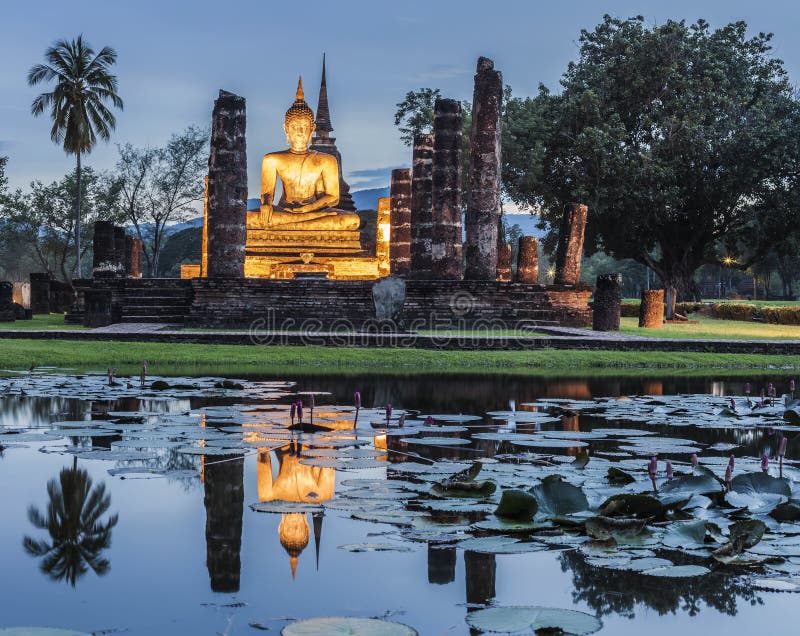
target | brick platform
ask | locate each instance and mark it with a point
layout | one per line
(344, 305)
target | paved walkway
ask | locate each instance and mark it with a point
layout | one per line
(556, 338)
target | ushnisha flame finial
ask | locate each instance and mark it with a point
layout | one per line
(299, 110)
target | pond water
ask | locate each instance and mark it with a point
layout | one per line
(196, 509)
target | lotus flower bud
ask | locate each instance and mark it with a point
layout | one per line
(733, 404)
(293, 411)
(429, 421)
(388, 410)
(791, 385)
(732, 462)
(670, 474)
(357, 399)
(747, 388)
(764, 462)
(694, 459)
(652, 466)
(300, 410)
(782, 449)
(728, 475)
(311, 401)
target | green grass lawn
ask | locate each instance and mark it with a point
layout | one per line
(40, 322)
(712, 329)
(199, 359)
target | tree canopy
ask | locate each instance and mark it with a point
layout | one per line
(668, 133)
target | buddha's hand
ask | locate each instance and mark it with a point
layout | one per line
(265, 215)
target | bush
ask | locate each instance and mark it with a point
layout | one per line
(789, 315)
(629, 310)
(733, 311)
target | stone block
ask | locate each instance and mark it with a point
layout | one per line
(389, 295)
(651, 309)
(528, 260)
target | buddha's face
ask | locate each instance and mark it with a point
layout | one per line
(298, 133)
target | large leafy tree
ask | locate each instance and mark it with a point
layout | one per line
(162, 186)
(667, 133)
(83, 84)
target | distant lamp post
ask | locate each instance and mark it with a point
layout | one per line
(727, 261)
(551, 273)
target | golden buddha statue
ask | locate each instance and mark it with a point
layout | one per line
(310, 181)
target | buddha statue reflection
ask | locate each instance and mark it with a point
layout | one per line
(309, 179)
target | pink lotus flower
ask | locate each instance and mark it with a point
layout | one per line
(293, 411)
(357, 399)
(694, 459)
(670, 474)
(764, 463)
(782, 449)
(429, 421)
(747, 388)
(652, 466)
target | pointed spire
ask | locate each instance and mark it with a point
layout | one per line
(317, 518)
(323, 113)
(299, 95)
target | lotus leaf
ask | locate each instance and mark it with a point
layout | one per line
(504, 620)
(342, 626)
(517, 504)
(557, 497)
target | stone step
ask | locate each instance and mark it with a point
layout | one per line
(175, 319)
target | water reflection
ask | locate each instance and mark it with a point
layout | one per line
(224, 503)
(298, 483)
(73, 519)
(609, 591)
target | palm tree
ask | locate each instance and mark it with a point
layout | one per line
(82, 84)
(77, 534)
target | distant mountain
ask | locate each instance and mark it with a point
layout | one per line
(368, 199)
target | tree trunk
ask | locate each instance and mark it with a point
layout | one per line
(78, 221)
(670, 298)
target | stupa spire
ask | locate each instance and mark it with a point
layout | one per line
(323, 112)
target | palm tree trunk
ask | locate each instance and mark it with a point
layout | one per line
(78, 221)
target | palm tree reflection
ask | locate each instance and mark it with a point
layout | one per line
(78, 535)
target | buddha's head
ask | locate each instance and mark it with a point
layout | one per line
(299, 122)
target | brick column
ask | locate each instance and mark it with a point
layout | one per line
(607, 302)
(570, 244)
(40, 293)
(105, 263)
(528, 260)
(227, 188)
(421, 207)
(133, 257)
(446, 191)
(204, 244)
(400, 220)
(651, 309)
(503, 268)
(483, 212)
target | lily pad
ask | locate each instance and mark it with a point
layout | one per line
(557, 497)
(517, 504)
(504, 620)
(345, 626)
(39, 631)
(374, 547)
(678, 571)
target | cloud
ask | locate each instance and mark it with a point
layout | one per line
(370, 177)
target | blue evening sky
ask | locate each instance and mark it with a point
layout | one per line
(174, 56)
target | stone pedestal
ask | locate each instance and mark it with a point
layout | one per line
(570, 244)
(133, 257)
(400, 220)
(227, 188)
(421, 207)
(98, 308)
(483, 212)
(446, 263)
(528, 260)
(651, 309)
(40, 293)
(607, 302)
(7, 312)
(503, 268)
